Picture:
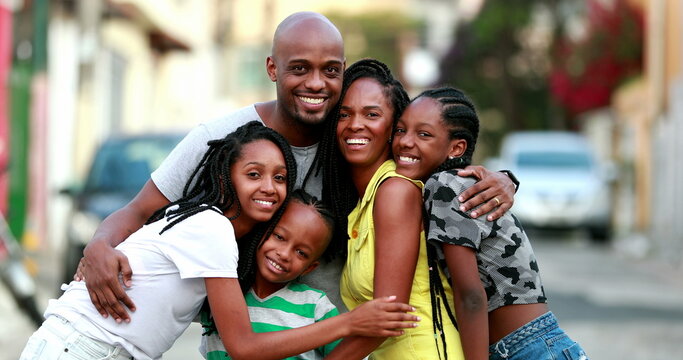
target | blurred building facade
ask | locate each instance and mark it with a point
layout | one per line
(650, 125)
(76, 71)
(131, 66)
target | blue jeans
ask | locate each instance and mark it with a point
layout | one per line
(57, 339)
(540, 339)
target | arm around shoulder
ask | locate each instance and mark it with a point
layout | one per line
(102, 264)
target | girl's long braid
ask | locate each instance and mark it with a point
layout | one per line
(338, 189)
(460, 117)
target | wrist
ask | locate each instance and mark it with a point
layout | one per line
(96, 246)
(346, 327)
(512, 178)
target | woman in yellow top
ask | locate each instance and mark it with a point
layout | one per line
(386, 250)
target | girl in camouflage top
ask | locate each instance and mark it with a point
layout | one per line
(498, 296)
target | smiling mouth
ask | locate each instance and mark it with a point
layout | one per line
(312, 101)
(408, 159)
(275, 265)
(265, 203)
(357, 141)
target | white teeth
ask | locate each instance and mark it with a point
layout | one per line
(262, 202)
(275, 265)
(357, 141)
(408, 159)
(313, 101)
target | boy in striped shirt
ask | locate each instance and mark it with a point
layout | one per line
(276, 300)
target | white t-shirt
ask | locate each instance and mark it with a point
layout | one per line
(176, 169)
(173, 173)
(168, 284)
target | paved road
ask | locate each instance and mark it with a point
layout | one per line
(616, 307)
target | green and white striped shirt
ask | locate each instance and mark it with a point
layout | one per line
(293, 306)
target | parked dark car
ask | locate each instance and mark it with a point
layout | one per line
(119, 169)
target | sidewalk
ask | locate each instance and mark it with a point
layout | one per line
(616, 306)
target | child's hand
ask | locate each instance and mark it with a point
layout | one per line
(381, 318)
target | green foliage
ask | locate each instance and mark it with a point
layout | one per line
(490, 62)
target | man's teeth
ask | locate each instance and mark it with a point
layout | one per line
(313, 101)
(275, 265)
(408, 159)
(357, 141)
(263, 202)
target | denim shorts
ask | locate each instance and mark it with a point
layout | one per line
(57, 339)
(540, 339)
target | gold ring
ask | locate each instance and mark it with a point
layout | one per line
(497, 201)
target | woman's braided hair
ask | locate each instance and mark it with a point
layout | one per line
(338, 189)
(210, 187)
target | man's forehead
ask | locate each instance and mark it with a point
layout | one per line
(309, 48)
(308, 30)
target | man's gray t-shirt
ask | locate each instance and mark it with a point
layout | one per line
(173, 173)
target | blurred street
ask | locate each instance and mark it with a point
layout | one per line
(617, 307)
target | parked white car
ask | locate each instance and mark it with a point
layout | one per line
(563, 185)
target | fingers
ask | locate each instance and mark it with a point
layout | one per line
(481, 199)
(476, 171)
(472, 195)
(397, 313)
(111, 299)
(398, 308)
(493, 195)
(80, 271)
(491, 204)
(126, 273)
(389, 304)
(105, 290)
(96, 301)
(115, 299)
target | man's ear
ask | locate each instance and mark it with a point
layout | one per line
(271, 68)
(310, 267)
(457, 147)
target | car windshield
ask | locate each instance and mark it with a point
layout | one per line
(554, 159)
(125, 165)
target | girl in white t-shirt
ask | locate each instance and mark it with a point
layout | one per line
(187, 251)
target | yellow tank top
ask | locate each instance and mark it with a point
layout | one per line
(357, 283)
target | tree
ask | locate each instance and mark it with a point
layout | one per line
(492, 61)
(587, 71)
